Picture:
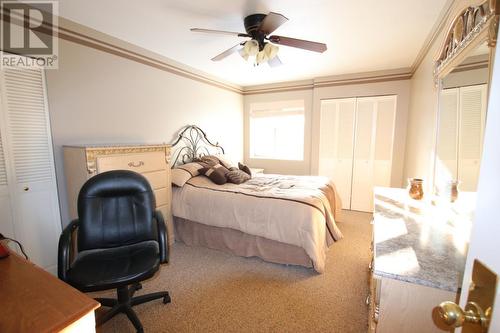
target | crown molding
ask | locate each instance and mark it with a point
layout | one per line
(86, 36)
(331, 81)
(83, 35)
(433, 35)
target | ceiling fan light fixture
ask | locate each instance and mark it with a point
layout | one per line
(261, 57)
(251, 47)
(270, 50)
(243, 54)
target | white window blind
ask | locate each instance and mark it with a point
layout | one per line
(27, 124)
(277, 130)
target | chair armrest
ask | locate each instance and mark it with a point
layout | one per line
(162, 237)
(64, 249)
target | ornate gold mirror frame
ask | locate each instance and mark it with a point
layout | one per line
(473, 26)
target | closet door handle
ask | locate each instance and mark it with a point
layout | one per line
(136, 165)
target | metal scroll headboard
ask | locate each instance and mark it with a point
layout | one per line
(192, 142)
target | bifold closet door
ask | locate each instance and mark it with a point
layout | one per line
(472, 115)
(6, 223)
(337, 119)
(447, 140)
(29, 158)
(373, 145)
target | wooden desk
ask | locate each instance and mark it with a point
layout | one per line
(33, 300)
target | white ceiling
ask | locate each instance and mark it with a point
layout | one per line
(362, 35)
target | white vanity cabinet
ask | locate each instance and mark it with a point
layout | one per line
(419, 253)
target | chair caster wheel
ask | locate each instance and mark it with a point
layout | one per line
(166, 299)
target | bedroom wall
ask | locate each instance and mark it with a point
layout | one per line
(97, 97)
(312, 98)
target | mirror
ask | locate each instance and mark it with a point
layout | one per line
(461, 121)
(462, 72)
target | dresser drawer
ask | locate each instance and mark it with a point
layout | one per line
(141, 162)
(157, 179)
(161, 196)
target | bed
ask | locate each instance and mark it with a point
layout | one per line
(279, 218)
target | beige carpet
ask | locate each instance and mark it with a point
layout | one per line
(217, 292)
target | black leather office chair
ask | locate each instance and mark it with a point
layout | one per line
(121, 241)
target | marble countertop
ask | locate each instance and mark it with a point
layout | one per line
(420, 242)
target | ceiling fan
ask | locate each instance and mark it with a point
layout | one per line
(258, 28)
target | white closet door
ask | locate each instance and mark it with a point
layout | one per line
(472, 120)
(375, 122)
(384, 139)
(6, 223)
(33, 184)
(362, 181)
(337, 143)
(447, 141)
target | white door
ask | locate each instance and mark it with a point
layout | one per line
(373, 146)
(337, 143)
(447, 141)
(486, 228)
(6, 223)
(29, 158)
(362, 176)
(472, 119)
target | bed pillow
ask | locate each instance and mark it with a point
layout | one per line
(245, 169)
(216, 174)
(182, 173)
(237, 176)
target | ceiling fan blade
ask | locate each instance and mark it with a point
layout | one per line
(220, 32)
(226, 53)
(275, 62)
(271, 22)
(299, 43)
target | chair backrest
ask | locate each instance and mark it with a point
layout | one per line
(115, 208)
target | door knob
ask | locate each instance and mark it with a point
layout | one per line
(449, 315)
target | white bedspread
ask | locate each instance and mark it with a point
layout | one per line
(297, 210)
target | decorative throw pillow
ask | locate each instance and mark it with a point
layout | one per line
(217, 174)
(245, 169)
(191, 167)
(210, 160)
(237, 176)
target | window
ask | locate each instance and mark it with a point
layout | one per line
(277, 130)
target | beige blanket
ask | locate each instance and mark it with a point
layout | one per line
(296, 210)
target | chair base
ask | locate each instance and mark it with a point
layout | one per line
(124, 303)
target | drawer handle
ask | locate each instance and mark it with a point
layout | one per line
(136, 165)
(367, 300)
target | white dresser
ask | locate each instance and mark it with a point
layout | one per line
(152, 161)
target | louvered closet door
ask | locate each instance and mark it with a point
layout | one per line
(472, 119)
(373, 146)
(336, 144)
(447, 141)
(33, 183)
(362, 177)
(6, 223)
